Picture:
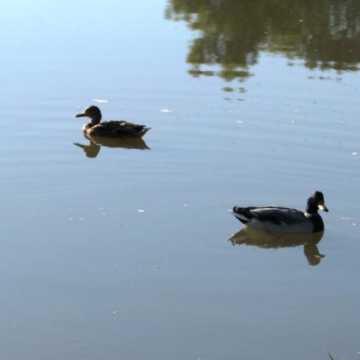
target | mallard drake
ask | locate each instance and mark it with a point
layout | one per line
(112, 129)
(282, 219)
(272, 240)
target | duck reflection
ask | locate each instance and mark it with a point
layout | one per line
(232, 33)
(267, 240)
(92, 149)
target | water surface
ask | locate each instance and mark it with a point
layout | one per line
(126, 253)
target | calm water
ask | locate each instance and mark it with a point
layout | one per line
(125, 253)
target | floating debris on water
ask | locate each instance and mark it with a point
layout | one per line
(354, 153)
(101, 101)
(140, 211)
(165, 110)
(239, 122)
(102, 211)
(346, 218)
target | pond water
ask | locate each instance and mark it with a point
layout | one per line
(129, 253)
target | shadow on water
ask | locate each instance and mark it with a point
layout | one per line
(324, 33)
(266, 240)
(92, 149)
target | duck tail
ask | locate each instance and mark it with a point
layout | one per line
(242, 214)
(144, 130)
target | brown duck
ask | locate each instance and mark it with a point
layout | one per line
(112, 129)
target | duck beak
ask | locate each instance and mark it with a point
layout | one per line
(80, 115)
(323, 208)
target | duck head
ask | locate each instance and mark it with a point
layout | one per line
(315, 203)
(92, 112)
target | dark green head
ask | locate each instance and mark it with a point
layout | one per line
(315, 203)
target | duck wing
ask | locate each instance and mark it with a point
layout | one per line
(272, 214)
(117, 128)
(278, 215)
(274, 219)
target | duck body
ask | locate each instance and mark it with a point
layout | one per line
(283, 219)
(279, 219)
(115, 129)
(110, 129)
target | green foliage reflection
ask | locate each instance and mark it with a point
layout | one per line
(324, 33)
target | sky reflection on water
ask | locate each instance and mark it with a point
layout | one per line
(126, 255)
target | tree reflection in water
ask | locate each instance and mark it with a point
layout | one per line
(324, 33)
